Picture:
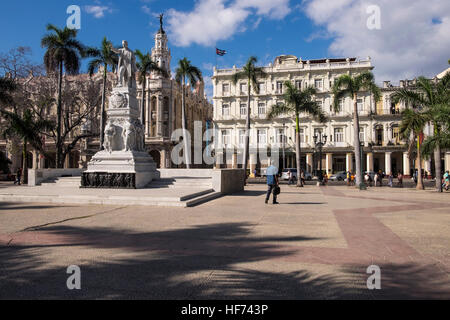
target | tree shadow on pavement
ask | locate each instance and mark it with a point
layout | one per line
(10, 206)
(203, 262)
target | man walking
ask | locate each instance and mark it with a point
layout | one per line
(290, 177)
(272, 183)
(18, 176)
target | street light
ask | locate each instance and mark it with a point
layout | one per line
(284, 143)
(320, 140)
(362, 185)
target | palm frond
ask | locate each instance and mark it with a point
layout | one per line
(279, 110)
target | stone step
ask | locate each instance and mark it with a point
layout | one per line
(185, 201)
(203, 199)
(182, 183)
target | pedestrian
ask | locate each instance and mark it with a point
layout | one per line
(400, 179)
(349, 178)
(272, 183)
(325, 180)
(391, 180)
(375, 179)
(18, 176)
(415, 177)
(381, 176)
(289, 177)
(302, 176)
(367, 179)
(446, 185)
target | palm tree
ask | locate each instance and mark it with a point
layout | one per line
(432, 98)
(412, 125)
(29, 130)
(347, 85)
(64, 52)
(186, 70)
(7, 86)
(297, 102)
(145, 66)
(103, 57)
(251, 73)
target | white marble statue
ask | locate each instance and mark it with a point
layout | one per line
(110, 134)
(126, 68)
(129, 137)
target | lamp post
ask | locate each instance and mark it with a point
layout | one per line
(362, 185)
(284, 144)
(320, 140)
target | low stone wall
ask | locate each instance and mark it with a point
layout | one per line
(228, 181)
(189, 173)
(37, 176)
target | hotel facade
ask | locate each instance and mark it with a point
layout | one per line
(384, 149)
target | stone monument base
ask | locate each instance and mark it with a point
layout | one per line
(119, 169)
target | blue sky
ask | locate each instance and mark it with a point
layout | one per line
(310, 29)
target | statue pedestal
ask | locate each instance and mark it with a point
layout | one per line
(123, 163)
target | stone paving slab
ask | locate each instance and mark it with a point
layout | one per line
(317, 244)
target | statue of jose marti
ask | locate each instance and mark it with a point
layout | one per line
(126, 68)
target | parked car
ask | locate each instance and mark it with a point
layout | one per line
(285, 175)
(340, 176)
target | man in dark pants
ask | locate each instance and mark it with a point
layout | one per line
(272, 182)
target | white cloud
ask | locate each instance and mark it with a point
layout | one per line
(146, 9)
(98, 11)
(413, 39)
(214, 20)
(208, 86)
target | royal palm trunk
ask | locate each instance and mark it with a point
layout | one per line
(437, 162)
(102, 112)
(24, 162)
(58, 120)
(356, 140)
(247, 133)
(183, 124)
(419, 166)
(297, 151)
(143, 108)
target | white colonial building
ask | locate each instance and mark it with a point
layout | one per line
(383, 147)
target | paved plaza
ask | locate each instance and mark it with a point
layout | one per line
(317, 244)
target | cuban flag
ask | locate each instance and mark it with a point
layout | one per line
(220, 52)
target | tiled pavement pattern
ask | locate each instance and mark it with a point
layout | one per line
(317, 243)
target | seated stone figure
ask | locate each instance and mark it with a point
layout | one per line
(110, 135)
(129, 137)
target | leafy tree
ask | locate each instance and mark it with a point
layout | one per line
(4, 163)
(102, 57)
(433, 100)
(7, 86)
(412, 125)
(28, 128)
(251, 73)
(64, 52)
(145, 66)
(347, 85)
(298, 102)
(186, 70)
